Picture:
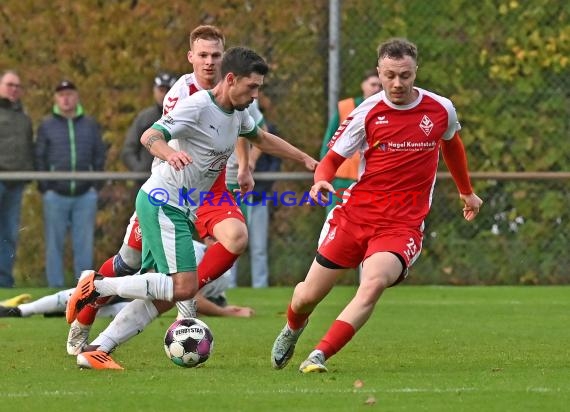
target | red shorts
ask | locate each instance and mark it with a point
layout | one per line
(215, 209)
(219, 207)
(347, 243)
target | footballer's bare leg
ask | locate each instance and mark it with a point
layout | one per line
(232, 233)
(379, 271)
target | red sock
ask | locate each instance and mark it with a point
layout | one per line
(86, 316)
(107, 269)
(339, 334)
(217, 261)
(296, 320)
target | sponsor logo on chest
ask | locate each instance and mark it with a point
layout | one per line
(389, 138)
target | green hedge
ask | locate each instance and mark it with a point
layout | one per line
(505, 65)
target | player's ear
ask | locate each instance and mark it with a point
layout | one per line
(230, 78)
(189, 56)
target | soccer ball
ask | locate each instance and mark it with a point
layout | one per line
(188, 342)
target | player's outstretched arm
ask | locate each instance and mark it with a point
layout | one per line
(324, 174)
(154, 141)
(244, 176)
(208, 308)
(276, 146)
(456, 160)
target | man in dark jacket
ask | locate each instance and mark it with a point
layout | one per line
(70, 141)
(16, 137)
(134, 155)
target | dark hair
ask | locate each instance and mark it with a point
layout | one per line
(397, 48)
(242, 62)
(368, 74)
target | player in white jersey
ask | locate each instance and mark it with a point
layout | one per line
(216, 218)
(206, 126)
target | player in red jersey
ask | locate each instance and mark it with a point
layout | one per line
(220, 220)
(398, 132)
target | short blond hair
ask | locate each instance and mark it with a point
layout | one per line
(207, 32)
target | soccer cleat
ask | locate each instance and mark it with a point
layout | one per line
(83, 294)
(9, 312)
(284, 346)
(77, 337)
(97, 360)
(16, 300)
(315, 363)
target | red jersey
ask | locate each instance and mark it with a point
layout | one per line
(399, 148)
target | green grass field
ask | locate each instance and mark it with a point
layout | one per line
(425, 349)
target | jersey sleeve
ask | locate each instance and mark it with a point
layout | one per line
(453, 125)
(350, 135)
(254, 112)
(173, 95)
(184, 117)
(248, 127)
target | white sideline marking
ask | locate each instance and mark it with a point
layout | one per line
(288, 391)
(451, 302)
(42, 393)
(371, 390)
(470, 302)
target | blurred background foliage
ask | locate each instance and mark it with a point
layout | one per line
(505, 64)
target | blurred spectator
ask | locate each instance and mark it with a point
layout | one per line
(68, 141)
(347, 173)
(16, 137)
(211, 300)
(133, 154)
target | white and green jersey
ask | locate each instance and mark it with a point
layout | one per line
(232, 167)
(186, 86)
(198, 126)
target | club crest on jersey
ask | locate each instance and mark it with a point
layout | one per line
(426, 125)
(339, 131)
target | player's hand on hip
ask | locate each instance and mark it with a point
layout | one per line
(471, 205)
(178, 160)
(320, 190)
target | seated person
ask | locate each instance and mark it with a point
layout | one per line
(210, 301)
